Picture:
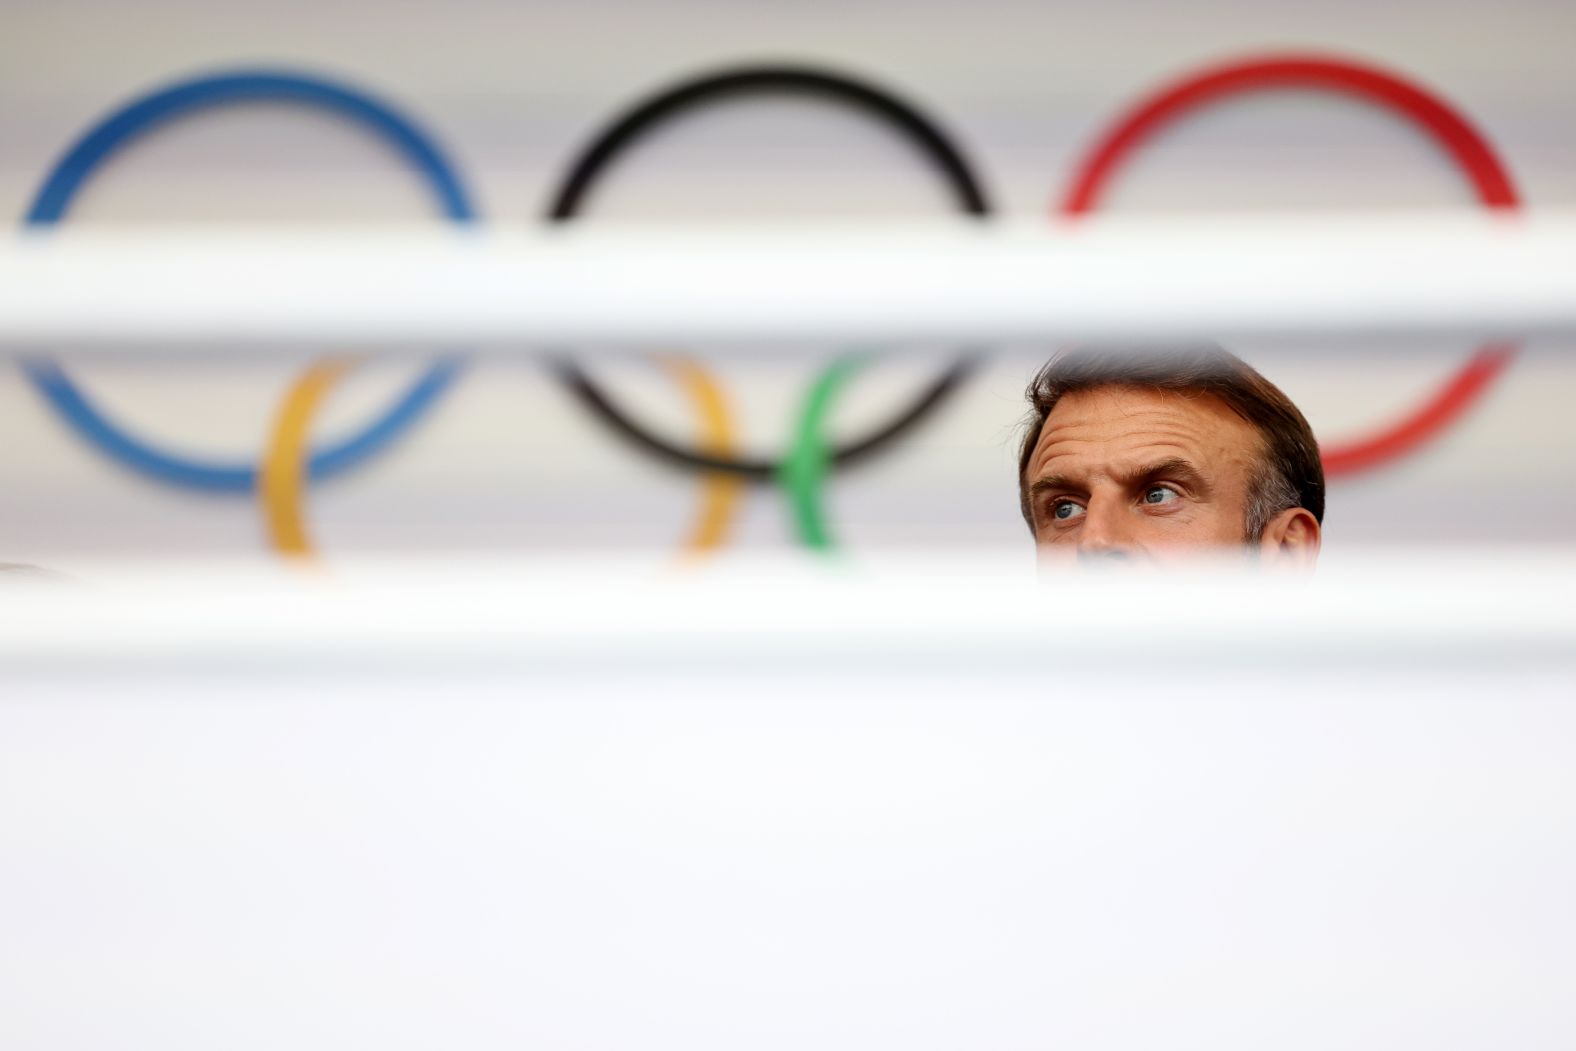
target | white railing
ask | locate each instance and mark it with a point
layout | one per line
(225, 291)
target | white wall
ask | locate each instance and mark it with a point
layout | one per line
(514, 89)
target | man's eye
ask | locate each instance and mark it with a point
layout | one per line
(1062, 510)
(1161, 494)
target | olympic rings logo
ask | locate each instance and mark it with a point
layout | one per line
(289, 465)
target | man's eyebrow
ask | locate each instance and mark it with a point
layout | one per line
(1049, 483)
(1175, 468)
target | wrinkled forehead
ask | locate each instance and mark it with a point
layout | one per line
(1114, 429)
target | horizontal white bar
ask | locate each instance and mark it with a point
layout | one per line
(594, 612)
(1101, 279)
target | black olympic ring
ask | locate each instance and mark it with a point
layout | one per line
(922, 132)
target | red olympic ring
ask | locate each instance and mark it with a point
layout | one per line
(1463, 143)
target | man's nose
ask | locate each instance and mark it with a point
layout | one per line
(1106, 532)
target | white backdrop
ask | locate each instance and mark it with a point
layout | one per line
(513, 90)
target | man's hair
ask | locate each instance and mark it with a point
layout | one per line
(1288, 474)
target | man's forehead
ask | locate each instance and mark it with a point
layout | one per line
(1127, 423)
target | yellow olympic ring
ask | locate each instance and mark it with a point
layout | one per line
(281, 485)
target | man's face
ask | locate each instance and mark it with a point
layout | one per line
(1139, 474)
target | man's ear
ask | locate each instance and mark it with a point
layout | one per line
(1291, 538)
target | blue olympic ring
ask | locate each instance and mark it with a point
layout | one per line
(148, 112)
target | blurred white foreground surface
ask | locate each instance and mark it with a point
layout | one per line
(1113, 279)
(919, 805)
